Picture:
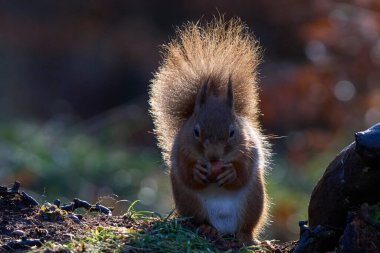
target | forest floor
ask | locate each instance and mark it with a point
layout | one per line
(26, 226)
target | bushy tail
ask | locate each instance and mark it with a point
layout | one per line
(218, 50)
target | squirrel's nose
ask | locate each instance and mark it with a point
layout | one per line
(214, 152)
(214, 158)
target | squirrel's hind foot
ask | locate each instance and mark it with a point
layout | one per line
(208, 231)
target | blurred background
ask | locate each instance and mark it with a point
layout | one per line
(74, 79)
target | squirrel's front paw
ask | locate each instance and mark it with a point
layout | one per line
(200, 174)
(227, 176)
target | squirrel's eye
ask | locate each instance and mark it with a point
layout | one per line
(197, 131)
(232, 131)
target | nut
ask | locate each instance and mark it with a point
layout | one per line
(216, 169)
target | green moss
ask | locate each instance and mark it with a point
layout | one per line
(376, 212)
(52, 213)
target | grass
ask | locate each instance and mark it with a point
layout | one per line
(170, 236)
(150, 232)
(101, 239)
(166, 234)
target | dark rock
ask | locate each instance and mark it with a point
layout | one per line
(24, 243)
(368, 145)
(18, 233)
(15, 187)
(350, 180)
(361, 233)
(57, 202)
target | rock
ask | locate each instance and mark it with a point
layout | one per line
(368, 145)
(362, 232)
(18, 233)
(350, 180)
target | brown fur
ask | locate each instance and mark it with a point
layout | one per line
(218, 51)
(208, 77)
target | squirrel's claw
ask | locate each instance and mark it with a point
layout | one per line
(227, 176)
(200, 174)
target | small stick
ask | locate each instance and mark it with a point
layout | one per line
(30, 199)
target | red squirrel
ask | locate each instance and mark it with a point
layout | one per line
(204, 104)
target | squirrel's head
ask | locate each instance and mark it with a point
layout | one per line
(213, 127)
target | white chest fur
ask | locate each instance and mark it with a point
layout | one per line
(224, 208)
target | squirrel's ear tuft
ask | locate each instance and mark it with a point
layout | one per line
(230, 94)
(202, 94)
